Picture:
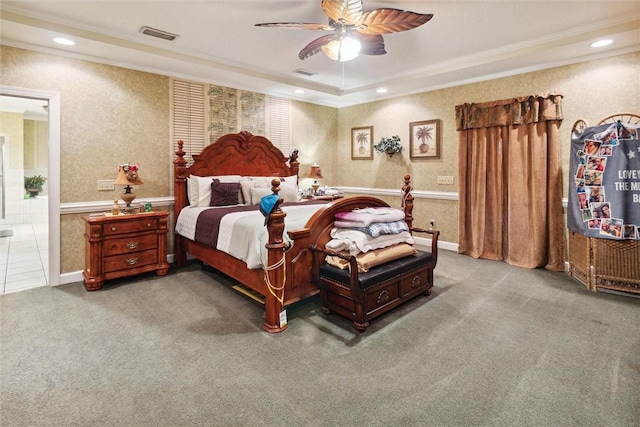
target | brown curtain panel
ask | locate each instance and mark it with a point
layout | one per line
(511, 181)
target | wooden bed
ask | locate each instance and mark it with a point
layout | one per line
(250, 155)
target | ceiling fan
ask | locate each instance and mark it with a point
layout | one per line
(352, 31)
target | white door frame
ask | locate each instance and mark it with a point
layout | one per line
(53, 174)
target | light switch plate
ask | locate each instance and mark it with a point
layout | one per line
(106, 185)
(448, 180)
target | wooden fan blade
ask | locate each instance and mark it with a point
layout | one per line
(372, 44)
(297, 26)
(346, 11)
(386, 21)
(315, 46)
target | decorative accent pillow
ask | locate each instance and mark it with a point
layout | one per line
(224, 194)
(199, 188)
(375, 257)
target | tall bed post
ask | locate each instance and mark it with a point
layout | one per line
(274, 272)
(294, 164)
(407, 201)
(180, 199)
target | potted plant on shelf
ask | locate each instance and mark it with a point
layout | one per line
(390, 146)
(33, 184)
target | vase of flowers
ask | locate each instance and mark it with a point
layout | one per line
(390, 145)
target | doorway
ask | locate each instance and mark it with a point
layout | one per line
(35, 222)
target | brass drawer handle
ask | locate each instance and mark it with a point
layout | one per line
(132, 261)
(148, 225)
(416, 282)
(113, 228)
(132, 245)
(383, 296)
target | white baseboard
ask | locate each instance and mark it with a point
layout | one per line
(426, 243)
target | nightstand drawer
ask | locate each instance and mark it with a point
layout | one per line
(131, 226)
(129, 261)
(130, 244)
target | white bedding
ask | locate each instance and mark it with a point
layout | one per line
(243, 234)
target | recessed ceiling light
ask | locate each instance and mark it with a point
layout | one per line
(61, 40)
(381, 90)
(601, 43)
(299, 91)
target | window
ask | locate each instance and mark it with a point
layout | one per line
(199, 116)
(188, 117)
(278, 123)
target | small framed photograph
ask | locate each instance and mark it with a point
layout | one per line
(424, 139)
(362, 143)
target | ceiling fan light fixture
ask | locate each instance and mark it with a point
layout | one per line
(347, 18)
(344, 49)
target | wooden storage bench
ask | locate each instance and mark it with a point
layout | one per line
(365, 296)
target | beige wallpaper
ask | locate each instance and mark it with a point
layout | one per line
(109, 115)
(112, 115)
(591, 90)
(314, 133)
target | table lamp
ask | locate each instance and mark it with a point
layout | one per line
(315, 172)
(128, 176)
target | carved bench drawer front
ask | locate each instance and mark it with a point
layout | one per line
(130, 261)
(130, 226)
(416, 282)
(130, 244)
(386, 295)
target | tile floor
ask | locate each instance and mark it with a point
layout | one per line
(24, 258)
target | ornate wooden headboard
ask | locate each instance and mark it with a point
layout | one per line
(232, 154)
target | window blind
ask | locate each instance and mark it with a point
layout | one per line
(188, 117)
(278, 123)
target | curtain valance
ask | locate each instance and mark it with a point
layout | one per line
(514, 111)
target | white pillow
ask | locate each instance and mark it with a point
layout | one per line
(258, 193)
(288, 188)
(247, 184)
(199, 188)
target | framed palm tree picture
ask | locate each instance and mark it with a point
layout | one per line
(424, 142)
(362, 143)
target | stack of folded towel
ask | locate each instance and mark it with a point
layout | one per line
(374, 235)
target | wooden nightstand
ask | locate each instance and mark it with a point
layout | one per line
(124, 245)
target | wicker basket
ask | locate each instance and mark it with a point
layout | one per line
(580, 258)
(616, 265)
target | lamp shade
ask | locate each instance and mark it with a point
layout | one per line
(128, 175)
(315, 172)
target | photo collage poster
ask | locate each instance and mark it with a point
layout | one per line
(604, 182)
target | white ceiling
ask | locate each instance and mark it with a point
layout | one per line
(30, 108)
(466, 41)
